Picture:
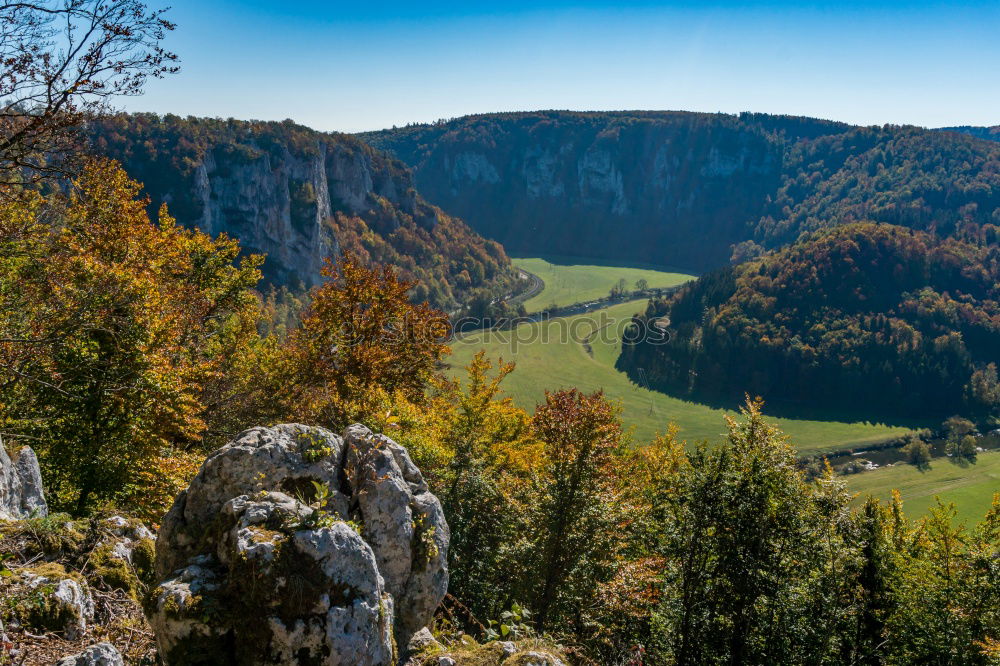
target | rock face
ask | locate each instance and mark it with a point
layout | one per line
(273, 186)
(299, 197)
(64, 603)
(20, 486)
(668, 188)
(296, 545)
(102, 654)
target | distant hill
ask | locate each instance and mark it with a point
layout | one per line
(988, 133)
(870, 320)
(299, 196)
(682, 189)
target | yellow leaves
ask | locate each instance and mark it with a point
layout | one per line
(635, 589)
(362, 335)
(141, 322)
(158, 481)
(990, 648)
(660, 459)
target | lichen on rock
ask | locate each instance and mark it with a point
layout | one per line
(260, 559)
(46, 597)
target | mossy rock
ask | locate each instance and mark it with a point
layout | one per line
(55, 571)
(144, 561)
(35, 604)
(110, 569)
(487, 654)
(38, 611)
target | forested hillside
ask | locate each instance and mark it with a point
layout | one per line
(866, 319)
(991, 133)
(941, 182)
(681, 189)
(299, 196)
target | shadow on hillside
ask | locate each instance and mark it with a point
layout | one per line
(783, 408)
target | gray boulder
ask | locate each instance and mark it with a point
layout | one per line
(277, 589)
(102, 654)
(64, 604)
(260, 559)
(403, 523)
(285, 458)
(20, 485)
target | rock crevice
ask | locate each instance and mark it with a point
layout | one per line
(297, 545)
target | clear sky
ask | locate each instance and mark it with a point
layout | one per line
(368, 65)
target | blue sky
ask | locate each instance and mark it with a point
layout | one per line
(357, 66)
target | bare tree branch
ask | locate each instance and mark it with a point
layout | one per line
(62, 61)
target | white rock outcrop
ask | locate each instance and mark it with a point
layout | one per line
(20, 485)
(296, 545)
(102, 654)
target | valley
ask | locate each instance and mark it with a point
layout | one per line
(574, 280)
(573, 380)
(969, 485)
(554, 355)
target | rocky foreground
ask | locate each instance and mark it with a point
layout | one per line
(292, 545)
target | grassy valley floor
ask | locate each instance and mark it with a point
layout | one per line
(581, 351)
(568, 283)
(969, 486)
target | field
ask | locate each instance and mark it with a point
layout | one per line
(581, 350)
(568, 283)
(970, 487)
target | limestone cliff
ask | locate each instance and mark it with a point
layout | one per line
(300, 196)
(681, 189)
(644, 187)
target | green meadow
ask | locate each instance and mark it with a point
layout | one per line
(970, 486)
(581, 351)
(570, 283)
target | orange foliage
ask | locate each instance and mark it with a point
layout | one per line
(362, 339)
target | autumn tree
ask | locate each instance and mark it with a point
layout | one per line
(479, 454)
(575, 515)
(621, 616)
(118, 334)
(361, 340)
(62, 61)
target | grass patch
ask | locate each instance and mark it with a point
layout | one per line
(581, 351)
(969, 486)
(568, 283)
